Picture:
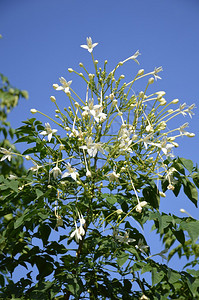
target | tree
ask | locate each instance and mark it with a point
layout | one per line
(104, 169)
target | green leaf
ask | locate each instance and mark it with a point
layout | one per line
(39, 193)
(187, 163)
(173, 276)
(122, 258)
(156, 276)
(192, 228)
(195, 177)
(190, 190)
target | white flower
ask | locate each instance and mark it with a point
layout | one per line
(125, 145)
(70, 172)
(76, 233)
(156, 71)
(7, 154)
(146, 140)
(49, 132)
(140, 205)
(165, 147)
(140, 246)
(89, 45)
(123, 239)
(181, 109)
(92, 148)
(189, 110)
(56, 172)
(65, 85)
(113, 176)
(182, 129)
(82, 222)
(134, 56)
(35, 168)
(95, 111)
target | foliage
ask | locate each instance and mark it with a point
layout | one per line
(9, 97)
(104, 170)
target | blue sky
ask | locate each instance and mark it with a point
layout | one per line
(42, 38)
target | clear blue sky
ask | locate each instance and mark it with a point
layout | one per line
(42, 38)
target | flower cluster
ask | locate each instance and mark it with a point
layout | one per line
(112, 135)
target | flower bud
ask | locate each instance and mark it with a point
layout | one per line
(140, 72)
(91, 76)
(55, 86)
(170, 187)
(141, 94)
(61, 147)
(160, 94)
(175, 144)
(70, 70)
(77, 104)
(81, 64)
(111, 96)
(163, 102)
(170, 111)
(151, 80)
(96, 61)
(67, 128)
(114, 102)
(190, 134)
(57, 111)
(88, 173)
(122, 76)
(162, 194)
(28, 157)
(33, 111)
(53, 99)
(68, 93)
(175, 101)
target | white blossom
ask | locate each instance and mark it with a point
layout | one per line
(95, 111)
(49, 132)
(140, 246)
(56, 172)
(140, 205)
(182, 109)
(7, 154)
(156, 71)
(89, 45)
(113, 176)
(92, 148)
(189, 110)
(76, 233)
(65, 85)
(70, 172)
(123, 238)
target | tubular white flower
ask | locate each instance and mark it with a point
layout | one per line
(56, 172)
(70, 172)
(140, 246)
(65, 85)
(89, 45)
(92, 148)
(95, 111)
(49, 132)
(156, 71)
(113, 176)
(7, 154)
